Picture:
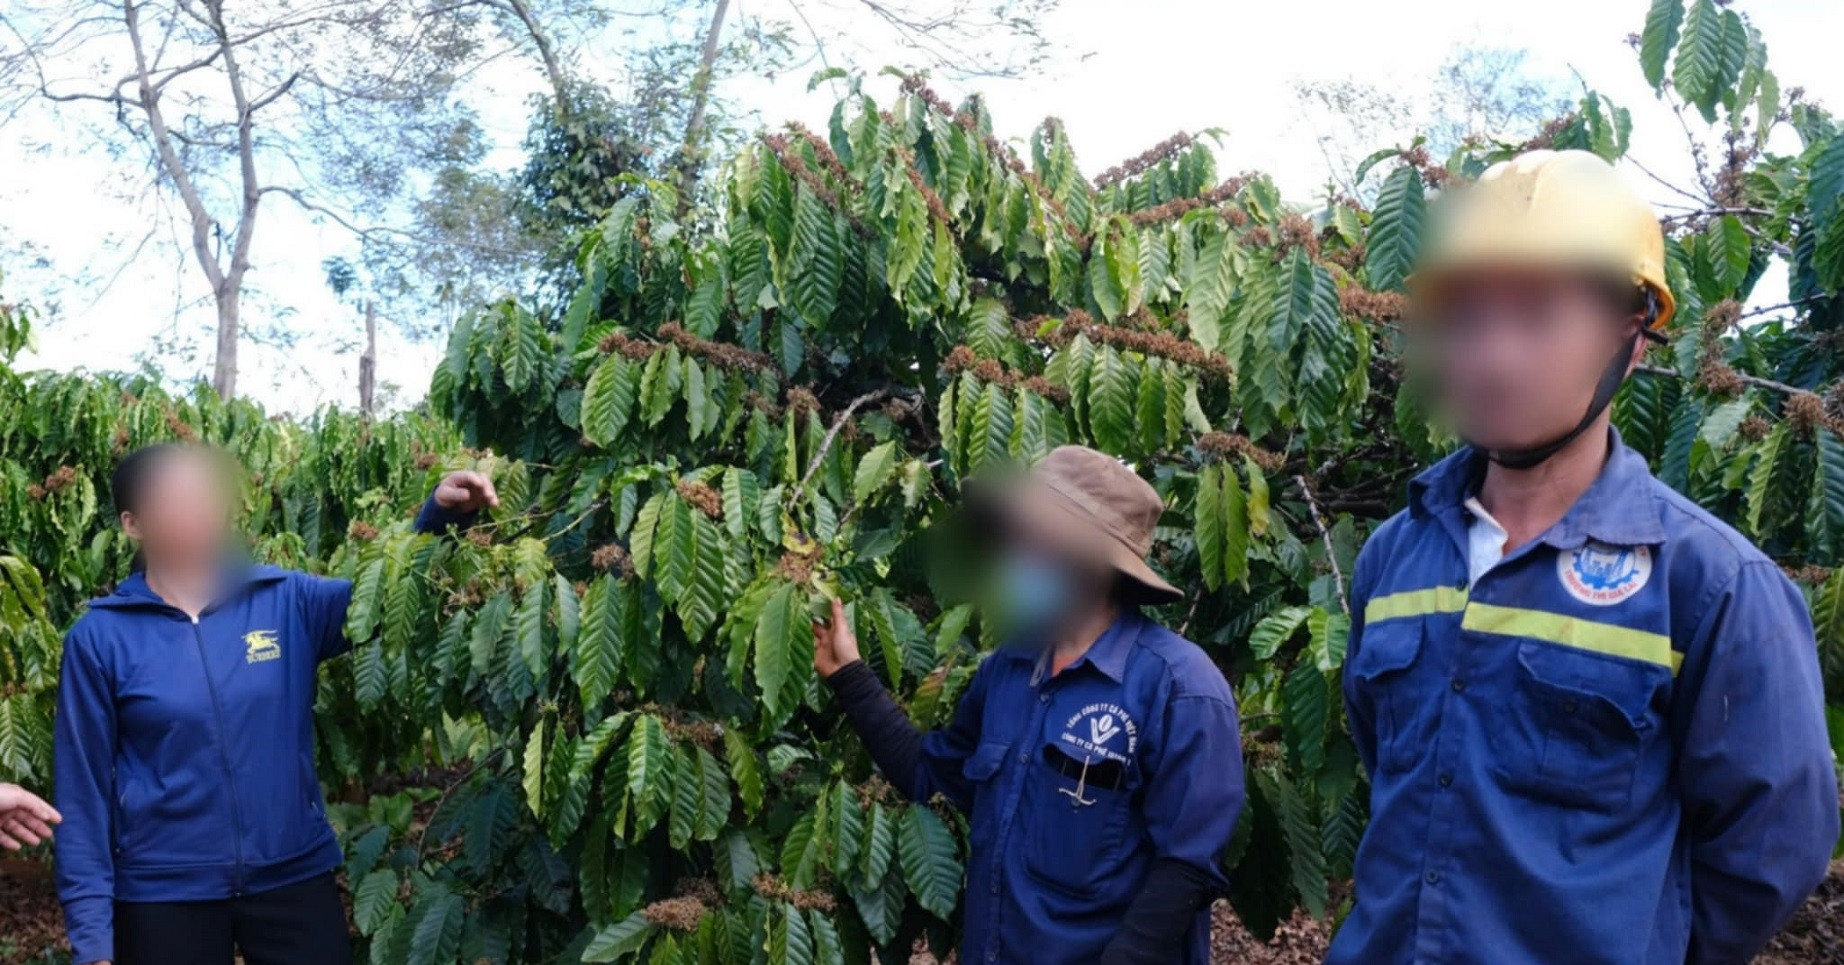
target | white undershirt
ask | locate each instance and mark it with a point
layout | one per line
(1485, 541)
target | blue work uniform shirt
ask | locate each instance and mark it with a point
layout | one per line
(1609, 749)
(1075, 784)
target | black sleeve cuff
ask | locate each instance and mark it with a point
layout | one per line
(1157, 922)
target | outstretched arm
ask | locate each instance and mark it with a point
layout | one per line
(457, 499)
(920, 765)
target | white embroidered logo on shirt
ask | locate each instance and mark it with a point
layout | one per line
(1603, 575)
(1096, 731)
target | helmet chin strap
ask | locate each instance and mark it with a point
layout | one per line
(1611, 377)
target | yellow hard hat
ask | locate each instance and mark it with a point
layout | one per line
(1561, 209)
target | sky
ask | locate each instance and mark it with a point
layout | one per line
(1123, 77)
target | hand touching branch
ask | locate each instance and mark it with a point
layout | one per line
(466, 492)
(834, 643)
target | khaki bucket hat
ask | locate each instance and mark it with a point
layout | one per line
(1086, 503)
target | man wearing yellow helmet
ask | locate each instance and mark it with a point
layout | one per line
(1591, 712)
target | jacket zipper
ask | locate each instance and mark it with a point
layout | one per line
(230, 779)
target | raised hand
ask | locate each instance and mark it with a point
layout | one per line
(24, 818)
(466, 491)
(834, 643)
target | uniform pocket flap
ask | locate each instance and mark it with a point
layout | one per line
(985, 761)
(1576, 684)
(1386, 648)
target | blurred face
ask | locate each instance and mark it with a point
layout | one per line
(183, 516)
(1516, 356)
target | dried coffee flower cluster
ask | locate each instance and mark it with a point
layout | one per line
(721, 354)
(702, 497)
(1156, 343)
(1805, 412)
(1361, 302)
(962, 359)
(1714, 372)
(1754, 428)
(1179, 207)
(796, 166)
(59, 480)
(1220, 444)
(362, 531)
(1135, 166)
(774, 889)
(802, 401)
(1810, 574)
(675, 914)
(611, 558)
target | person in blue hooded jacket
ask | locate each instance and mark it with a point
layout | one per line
(194, 825)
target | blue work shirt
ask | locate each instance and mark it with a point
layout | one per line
(1610, 749)
(1058, 853)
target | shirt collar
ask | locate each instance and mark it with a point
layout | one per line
(1107, 654)
(1618, 509)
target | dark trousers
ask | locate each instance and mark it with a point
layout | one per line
(299, 924)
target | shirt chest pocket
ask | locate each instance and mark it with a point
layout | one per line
(1578, 726)
(1388, 677)
(1077, 824)
(981, 771)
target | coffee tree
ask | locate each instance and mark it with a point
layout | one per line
(746, 413)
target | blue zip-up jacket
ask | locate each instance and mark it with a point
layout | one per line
(1610, 749)
(184, 750)
(1059, 852)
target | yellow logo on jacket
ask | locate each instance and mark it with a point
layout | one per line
(261, 645)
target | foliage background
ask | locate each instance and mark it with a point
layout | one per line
(598, 703)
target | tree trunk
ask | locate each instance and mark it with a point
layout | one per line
(690, 154)
(368, 362)
(224, 367)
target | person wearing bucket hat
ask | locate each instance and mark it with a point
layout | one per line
(1590, 711)
(1096, 754)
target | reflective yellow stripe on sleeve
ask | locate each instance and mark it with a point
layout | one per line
(1415, 603)
(1571, 631)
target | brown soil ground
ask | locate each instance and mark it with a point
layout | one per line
(31, 928)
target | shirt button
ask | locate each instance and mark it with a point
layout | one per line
(995, 887)
(1434, 877)
(1043, 698)
(1458, 685)
(1024, 758)
(1446, 780)
(1569, 707)
(992, 955)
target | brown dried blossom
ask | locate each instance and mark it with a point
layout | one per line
(1754, 428)
(36, 493)
(702, 497)
(60, 479)
(675, 914)
(612, 558)
(802, 401)
(1220, 444)
(794, 567)
(425, 461)
(1810, 574)
(1155, 343)
(721, 354)
(179, 428)
(362, 531)
(1297, 232)
(762, 403)
(1135, 166)
(479, 537)
(773, 888)
(1364, 303)
(1805, 412)
(1834, 405)
(702, 889)
(1181, 206)
(1718, 377)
